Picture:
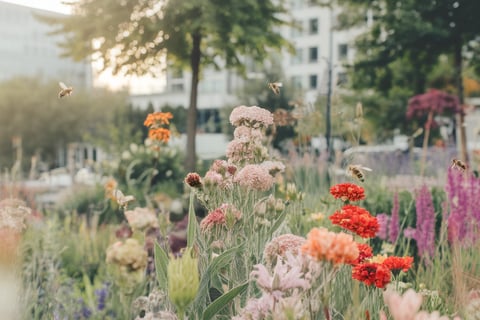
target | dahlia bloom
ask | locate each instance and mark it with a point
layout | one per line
(357, 220)
(337, 248)
(347, 191)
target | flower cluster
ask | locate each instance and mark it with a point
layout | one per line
(337, 248)
(225, 215)
(378, 270)
(279, 246)
(256, 177)
(220, 174)
(194, 180)
(357, 220)
(129, 255)
(155, 123)
(141, 218)
(253, 117)
(13, 213)
(347, 192)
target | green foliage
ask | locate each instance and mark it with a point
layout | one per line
(46, 123)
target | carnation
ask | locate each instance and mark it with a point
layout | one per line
(338, 248)
(347, 191)
(356, 219)
(255, 177)
(398, 263)
(372, 274)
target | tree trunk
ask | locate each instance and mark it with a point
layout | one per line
(191, 156)
(461, 130)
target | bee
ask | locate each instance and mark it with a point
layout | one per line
(459, 164)
(356, 171)
(275, 87)
(122, 199)
(66, 91)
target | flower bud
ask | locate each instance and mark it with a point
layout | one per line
(183, 280)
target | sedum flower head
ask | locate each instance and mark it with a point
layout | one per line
(255, 177)
(254, 117)
(183, 279)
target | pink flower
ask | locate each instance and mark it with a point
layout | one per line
(225, 215)
(403, 307)
(273, 167)
(280, 245)
(254, 117)
(255, 177)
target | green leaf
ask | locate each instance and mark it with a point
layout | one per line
(214, 268)
(161, 264)
(278, 222)
(222, 301)
(193, 227)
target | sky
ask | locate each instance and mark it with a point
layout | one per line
(51, 5)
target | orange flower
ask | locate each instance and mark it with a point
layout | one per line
(159, 134)
(356, 219)
(347, 191)
(338, 248)
(158, 118)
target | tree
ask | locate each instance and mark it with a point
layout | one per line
(417, 32)
(45, 123)
(134, 37)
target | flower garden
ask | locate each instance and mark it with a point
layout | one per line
(255, 235)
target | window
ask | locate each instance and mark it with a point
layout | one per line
(177, 87)
(298, 57)
(342, 51)
(313, 54)
(297, 82)
(313, 26)
(177, 73)
(296, 28)
(341, 78)
(313, 81)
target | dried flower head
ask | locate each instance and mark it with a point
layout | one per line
(194, 180)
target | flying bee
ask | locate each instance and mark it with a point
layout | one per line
(356, 171)
(122, 199)
(66, 91)
(275, 87)
(459, 164)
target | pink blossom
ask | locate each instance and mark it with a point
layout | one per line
(273, 167)
(243, 132)
(280, 245)
(254, 117)
(255, 177)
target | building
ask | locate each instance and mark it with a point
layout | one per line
(27, 48)
(318, 47)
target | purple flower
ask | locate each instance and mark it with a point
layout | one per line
(425, 229)
(101, 297)
(383, 222)
(394, 228)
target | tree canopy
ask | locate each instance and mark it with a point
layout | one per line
(135, 37)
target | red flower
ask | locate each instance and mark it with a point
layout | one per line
(398, 263)
(365, 252)
(347, 191)
(356, 219)
(372, 274)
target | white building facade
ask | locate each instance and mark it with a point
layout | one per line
(27, 48)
